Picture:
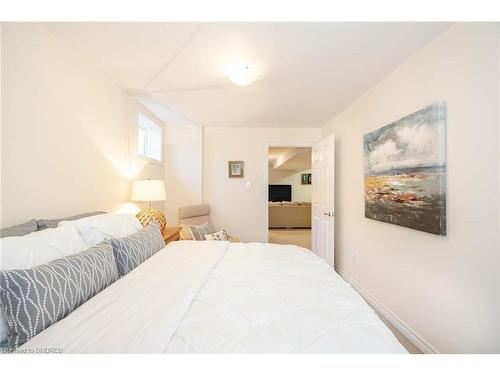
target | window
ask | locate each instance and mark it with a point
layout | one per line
(148, 138)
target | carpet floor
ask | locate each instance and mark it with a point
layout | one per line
(299, 237)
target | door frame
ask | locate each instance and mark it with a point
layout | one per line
(269, 145)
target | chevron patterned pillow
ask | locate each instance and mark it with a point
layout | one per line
(34, 299)
(133, 250)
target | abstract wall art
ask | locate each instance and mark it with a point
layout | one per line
(405, 171)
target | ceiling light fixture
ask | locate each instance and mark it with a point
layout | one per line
(242, 74)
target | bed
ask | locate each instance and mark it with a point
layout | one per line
(217, 296)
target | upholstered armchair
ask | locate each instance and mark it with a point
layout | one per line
(196, 214)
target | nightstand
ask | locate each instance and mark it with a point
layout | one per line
(172, 234)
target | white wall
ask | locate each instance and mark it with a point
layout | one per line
(498, 176)
(242, 211)
(69, 134)
(183, 168)
(443, 288)
(1, 117)
(300, 193)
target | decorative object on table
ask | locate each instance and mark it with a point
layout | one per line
(172, 234)
(405, 171)
(236, 169)
(149, 191)
(305, 178)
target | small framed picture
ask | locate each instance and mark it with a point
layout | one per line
(305, 178)
(236, 169)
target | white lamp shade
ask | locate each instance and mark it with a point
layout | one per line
(148, 190)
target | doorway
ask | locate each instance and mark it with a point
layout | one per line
(289, 196)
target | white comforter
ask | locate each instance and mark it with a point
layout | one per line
(215, 296)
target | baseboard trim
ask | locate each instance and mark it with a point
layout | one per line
(410, 334)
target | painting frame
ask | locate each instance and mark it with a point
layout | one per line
(236, 169)
(306, 179)
(405, 171)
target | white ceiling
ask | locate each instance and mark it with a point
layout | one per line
(308, 71)
(290, 158)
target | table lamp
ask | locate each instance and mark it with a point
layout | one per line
(149, 191)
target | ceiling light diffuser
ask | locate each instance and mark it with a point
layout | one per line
(242, 74)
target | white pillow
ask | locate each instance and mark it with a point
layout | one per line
(95, 229)
(217, 236)
(37, 248)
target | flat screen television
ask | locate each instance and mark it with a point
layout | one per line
(279, 193)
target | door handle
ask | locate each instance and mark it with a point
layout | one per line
(328, 214)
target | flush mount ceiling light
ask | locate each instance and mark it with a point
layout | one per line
(242, 74)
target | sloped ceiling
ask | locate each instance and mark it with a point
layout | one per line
(290, 158)
(308, 71)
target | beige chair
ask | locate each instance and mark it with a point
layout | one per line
(195, 214)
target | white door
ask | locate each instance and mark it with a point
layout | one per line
(323, 217)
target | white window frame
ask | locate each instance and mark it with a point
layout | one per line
(148, 126)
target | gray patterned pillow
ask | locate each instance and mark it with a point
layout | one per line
(133, 250)
(42, 224)
(19, 230)
(198, 232)
(34, 299)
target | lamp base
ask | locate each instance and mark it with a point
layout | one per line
(148, 214)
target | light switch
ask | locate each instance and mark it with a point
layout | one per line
(248, 185)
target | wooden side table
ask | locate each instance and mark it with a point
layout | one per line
(172, 234)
